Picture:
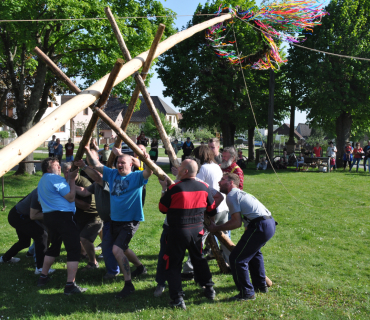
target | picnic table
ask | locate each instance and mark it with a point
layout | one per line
(315, 162)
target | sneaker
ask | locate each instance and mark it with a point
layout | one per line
(43, 281)
(139, 271)
(239, 297)
(178, 303)
(12, 260)
(90, 266)
(110, 276)
(126, 291)
(261, 289)
(159, 290)
(187, 276)
(98, 247)
(68, 290)
(39, 270)
(209, 293)
(29, 255)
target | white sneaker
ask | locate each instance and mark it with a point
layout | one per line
(38, 271)
(12, 260)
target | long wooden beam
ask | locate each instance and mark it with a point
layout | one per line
(140, 83)
(135, 95)
(17, 150)
(156, 170)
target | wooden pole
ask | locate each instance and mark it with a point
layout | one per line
(140, 83)
(135, 95)
(20, 148)
(270, 119)
(217, 253)
(94, 119)
(156, 170)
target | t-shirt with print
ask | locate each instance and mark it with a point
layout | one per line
(69, 149)
(51, 190)
(249, 207)
(125, 194)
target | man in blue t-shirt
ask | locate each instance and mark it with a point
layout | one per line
(57, 198)
(126, 212)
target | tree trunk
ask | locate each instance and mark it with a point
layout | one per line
(270, 120)
(251, 143)
(228, 133)
(343, 130)
(24, 167)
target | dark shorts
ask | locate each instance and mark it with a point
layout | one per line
(91, 230)
(122, 232)
(63, 228)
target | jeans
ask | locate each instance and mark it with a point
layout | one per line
(357, 162)
(69, 158)
(366, 160)
(106, 246)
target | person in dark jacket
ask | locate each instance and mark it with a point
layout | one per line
(188, 148)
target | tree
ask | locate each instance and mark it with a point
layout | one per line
(82, 48)
(336, 90)
(209, 90)
(132, 130)
(203, 134)
(151, 130)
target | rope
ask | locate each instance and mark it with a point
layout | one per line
(297, 45)
(255, 120)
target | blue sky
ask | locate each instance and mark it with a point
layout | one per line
(188, 7)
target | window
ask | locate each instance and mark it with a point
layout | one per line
(62, 129)
(79, 132)
(86, 112)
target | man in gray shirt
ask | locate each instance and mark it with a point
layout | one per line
(247, 253)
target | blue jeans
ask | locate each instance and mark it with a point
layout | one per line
(69, 158)
(106, 247)
(357, 162)
(160, 276)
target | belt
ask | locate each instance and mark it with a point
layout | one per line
(254, 221)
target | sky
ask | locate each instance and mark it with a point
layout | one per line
(188, 7)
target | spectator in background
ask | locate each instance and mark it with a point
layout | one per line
(58, 150)
(153, 153)
(214, 145)
(105, 154)
(51, 144)
(300, 160)
(262, 164)
(332, 153)
(317, 150)
(367, 155)
(142, 139)
(358, 153)
(347, 157)
(187, 147)
(69, 150)
(93, 144)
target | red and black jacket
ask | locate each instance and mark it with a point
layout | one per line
(185, 203)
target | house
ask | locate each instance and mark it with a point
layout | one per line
(285, 129)
(115, 109)
(304, 130)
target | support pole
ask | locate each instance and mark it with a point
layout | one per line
(217, 253)
(270, 119)
(156, 170)
(135, 95)
(140, 83)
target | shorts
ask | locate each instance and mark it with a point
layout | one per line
(69, 158)
(122, 232)
(90, 230)
(63, 228)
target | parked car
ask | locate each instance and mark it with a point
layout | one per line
(241, 140)
(258, 143)
(124, 149)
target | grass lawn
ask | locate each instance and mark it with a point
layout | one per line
(318, 259)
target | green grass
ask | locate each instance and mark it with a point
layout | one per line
(318, 259)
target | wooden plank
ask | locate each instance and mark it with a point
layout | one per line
(217, 253)
(135, 95)
(20, 148)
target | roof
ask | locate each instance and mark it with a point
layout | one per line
(114, 107)
(304, 129)
(285, 130)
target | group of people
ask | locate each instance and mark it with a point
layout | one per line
(71, 210)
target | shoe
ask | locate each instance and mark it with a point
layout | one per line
(239, 297)
(12, 260)
(69, 290)
(39, 270)
(188, 276)
(100, 256)
(90, 266)
(178, 303)
(159, 290)
(98, 247)
(139, 271)
(126, 291)
(209, 293)
(43, 281)
(261, 289)
(29, 255)
(110, 276)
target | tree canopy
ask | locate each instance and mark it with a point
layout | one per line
(150, 128)
(84, 49)
(210, 91)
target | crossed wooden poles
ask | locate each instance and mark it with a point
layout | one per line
(120, 131)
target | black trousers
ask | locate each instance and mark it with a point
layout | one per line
(178, 240)
(27, 229)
